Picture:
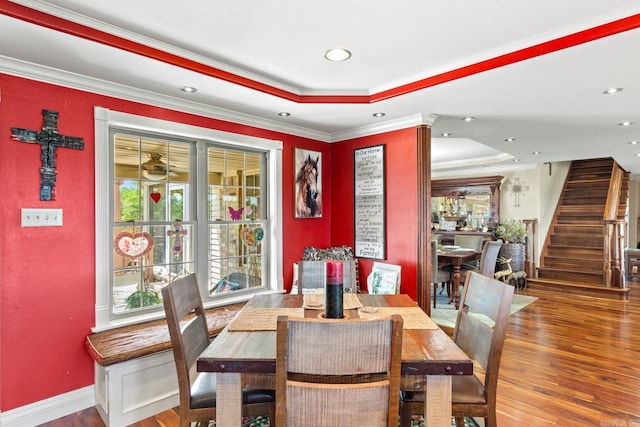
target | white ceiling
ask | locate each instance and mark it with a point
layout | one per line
(551, 103)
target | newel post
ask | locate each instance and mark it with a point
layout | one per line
(530, 267)
(613, 273)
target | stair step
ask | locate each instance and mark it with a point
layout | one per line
(572, 264)
(577, 229)
(577, 288)
(579, 240)
(579, 183)
(575, 252)
(571, 275)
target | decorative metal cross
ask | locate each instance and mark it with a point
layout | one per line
(49, 140)
(178, 231)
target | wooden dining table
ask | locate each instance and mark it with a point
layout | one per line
(243, 355)
(455, 258)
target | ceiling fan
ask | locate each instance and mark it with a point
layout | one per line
(155, 169)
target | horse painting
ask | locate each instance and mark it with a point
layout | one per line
(308, 203)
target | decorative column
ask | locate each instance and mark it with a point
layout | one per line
(423, 139)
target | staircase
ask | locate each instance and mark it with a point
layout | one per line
(577, 254)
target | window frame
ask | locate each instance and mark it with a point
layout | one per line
(105, 120)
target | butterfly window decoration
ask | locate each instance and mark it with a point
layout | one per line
(236, 214)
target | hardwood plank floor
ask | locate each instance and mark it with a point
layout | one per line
(568, 361)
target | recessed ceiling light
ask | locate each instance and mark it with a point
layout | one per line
(633, 142)
(612, 90)
(337, 54)
(445, 134)
(625, 123)
(637, 155)
(536, 153)
(379, 114)
(284, 114)
(516, 160)
(510, 139)
(188, 89)
(469, 119)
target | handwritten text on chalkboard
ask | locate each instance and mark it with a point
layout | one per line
(370, 239)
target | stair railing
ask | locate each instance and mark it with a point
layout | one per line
(614, 237)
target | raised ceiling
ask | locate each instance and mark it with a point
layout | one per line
(533, 71)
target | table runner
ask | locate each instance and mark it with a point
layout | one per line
(316, 301)
(413, 317)
(262, 319)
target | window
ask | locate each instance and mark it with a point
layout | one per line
(175, 199)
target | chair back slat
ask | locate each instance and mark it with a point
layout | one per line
(351, 405)
(469, 242)
(356, 345)
(474, 337)
(482, 337)
(338, 372)
(489, 257)
(312, 275)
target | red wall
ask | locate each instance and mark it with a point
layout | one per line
(47, 285)
(401, 201)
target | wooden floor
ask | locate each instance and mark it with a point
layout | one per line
(568, 361)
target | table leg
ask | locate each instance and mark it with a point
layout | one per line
(455, 294)
(437, 409)
(228, 399)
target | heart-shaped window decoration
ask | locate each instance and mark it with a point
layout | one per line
(132, 245)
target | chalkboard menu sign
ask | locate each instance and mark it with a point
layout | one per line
(370, 230)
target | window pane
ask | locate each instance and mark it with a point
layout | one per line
(138, 279)
(235, 193)
(128, 200)
(252, 203)
(126, 157)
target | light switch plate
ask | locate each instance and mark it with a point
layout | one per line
(41, 217)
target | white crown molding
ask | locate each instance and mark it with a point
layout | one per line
(75, 81)
(474, 162)
(54, 10)
(50, 409)
(71, 16)
(388, 126)
(464, 171)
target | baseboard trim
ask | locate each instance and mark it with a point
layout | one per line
(50, 409)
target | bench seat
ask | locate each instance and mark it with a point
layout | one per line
(135, 374)
(134, 341)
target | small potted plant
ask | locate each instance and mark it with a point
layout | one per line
(514, 235)
(511, 232)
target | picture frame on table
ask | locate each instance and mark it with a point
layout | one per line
(307, 175)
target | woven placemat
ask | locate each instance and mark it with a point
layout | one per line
(262, 319)
(316, 301)
(413, 317)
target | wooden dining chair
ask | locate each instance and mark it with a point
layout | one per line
(338, 372)
(312, 276)
(488, 259)
(470, 396)
(189, 337)
(470, 242)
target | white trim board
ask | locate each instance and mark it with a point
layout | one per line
(50, 409)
